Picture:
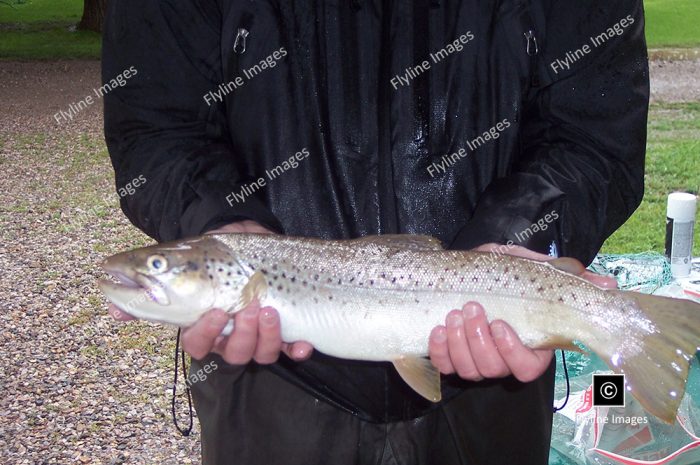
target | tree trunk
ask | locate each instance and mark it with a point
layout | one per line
(93, 15)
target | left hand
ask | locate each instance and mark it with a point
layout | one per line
(474, 349)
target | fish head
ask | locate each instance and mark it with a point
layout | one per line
(175, 282)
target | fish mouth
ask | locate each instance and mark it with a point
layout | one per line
(132, 289)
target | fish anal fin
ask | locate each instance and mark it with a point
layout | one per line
(256, 288)
(403, 241)
(568, 265)
(558, 342)
(421, 376)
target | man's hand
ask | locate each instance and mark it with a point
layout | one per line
(256, 334)
(474, 349)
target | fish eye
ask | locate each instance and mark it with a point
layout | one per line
(157, 263)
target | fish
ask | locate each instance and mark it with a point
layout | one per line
(377, 298)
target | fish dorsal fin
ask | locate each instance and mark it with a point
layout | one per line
(403, 241)
(421, 375)
(256, 288)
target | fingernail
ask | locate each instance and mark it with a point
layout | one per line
(268, 318)
(299, 353)
(440, 335)
(251, 311)
(498, 331)
(455, 319)
(472, 311)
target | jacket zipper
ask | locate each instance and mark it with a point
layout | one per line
(532, 49)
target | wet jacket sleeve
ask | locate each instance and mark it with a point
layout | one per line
(584, 136)
(158, 126)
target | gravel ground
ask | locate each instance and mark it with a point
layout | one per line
(77, 386)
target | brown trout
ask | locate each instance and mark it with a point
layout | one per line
(377, 298)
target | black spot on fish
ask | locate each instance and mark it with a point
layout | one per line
(211, 277)
(208, 267)
(228, 283)
(532, 280)
(269, 283)
(315, 277)
(263, 271)
(230, 264)
(561, 299)
(279, 288)
(516, 277)
(192, 266)
(393, 280)
(371, 282)
(274, 267)
(498, 279)
(540, 289)
(475, 279)
(293, 279)
(221, 270)
(304, 283)
(506, 269)
(330, 297)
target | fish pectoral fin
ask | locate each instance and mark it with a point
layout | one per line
(255, 288)
(568, 265)
(559, 342)
(421, 375)
(403, 241)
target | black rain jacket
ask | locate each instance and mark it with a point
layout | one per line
(574, 142)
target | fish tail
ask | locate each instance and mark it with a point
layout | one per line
(657, 374)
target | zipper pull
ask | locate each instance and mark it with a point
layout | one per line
(532, 50)
(240, 43)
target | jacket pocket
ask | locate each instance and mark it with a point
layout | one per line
(524, 42)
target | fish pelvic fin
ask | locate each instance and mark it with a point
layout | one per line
(256, 288)
(559, 342)
(657, 375)
(421, 375)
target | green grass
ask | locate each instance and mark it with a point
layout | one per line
(28, 11)
(672, 164)
(672, 23)
(45, 29)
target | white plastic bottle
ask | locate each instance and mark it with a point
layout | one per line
(680, 220)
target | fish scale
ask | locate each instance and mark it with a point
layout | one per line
(377, 298)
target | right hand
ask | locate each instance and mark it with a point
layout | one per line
(256, 334)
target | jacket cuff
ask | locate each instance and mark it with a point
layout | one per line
(213, 210)
(521, 210)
